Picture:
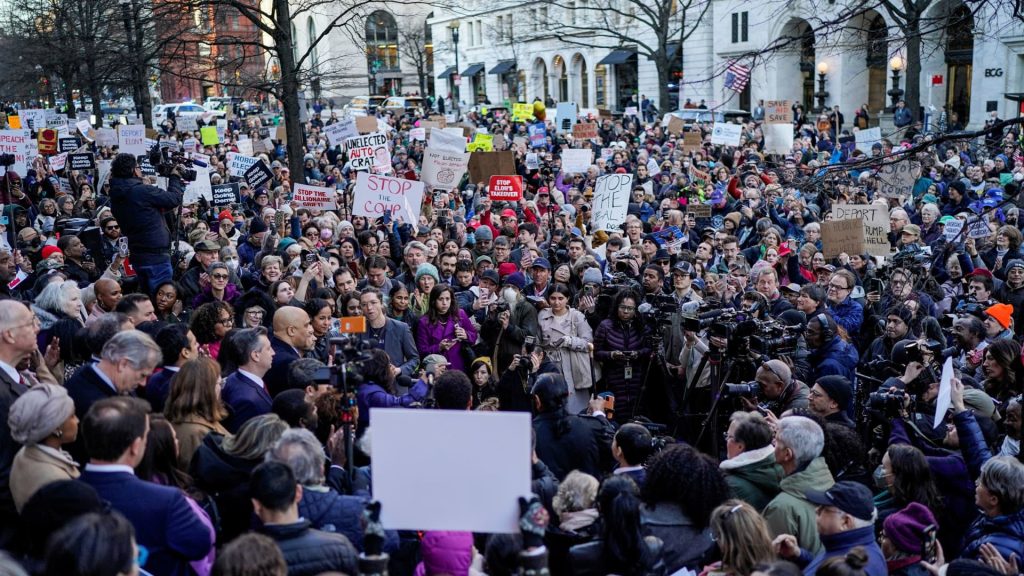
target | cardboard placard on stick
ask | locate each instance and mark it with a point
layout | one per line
(842, 237)
(875, 218)
(692, 142)
(896, 180)
(483, 165)
(675, 125)
(778, 112)
(366, 124)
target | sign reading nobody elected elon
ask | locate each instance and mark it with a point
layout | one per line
(375, 195)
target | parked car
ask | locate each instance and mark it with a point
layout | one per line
(403, 104)
(186, 109)
(691, 115)
(363, 105)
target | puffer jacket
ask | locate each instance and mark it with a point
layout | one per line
(754, 476)
(685, 545)
(309, 552)
(446, 553)
(613, 335)
(850, 315)
(1005, 532)
(588, 559)
(791, 513)
(330, 511)
(835, 358)
(226, 479)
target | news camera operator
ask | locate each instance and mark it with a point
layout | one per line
(139, 209)
(517, 380)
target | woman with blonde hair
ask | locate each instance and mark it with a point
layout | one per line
(194, 406)
(742, 537)
(574, 503)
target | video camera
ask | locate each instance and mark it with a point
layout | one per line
(7, 160)
(657, 309)
(773, 338)
(164, 161)
(348, 352)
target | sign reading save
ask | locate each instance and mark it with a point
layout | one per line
(506, 188)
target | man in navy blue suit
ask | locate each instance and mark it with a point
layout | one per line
(293, 336)
(244, 391)
(115, 431)
(177, 345)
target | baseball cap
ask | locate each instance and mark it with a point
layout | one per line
(792, 288)
(683, 267)
(490, 274)
(541, 263)
(911, 229)
(853, 498)
(508, 213)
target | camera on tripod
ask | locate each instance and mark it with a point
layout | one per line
(348, 351)
(164, 161)
(749, 389)
(7, 160)
(773, 338)
(658, 309)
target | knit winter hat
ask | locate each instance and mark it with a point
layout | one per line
(1002, 313)
(592, 276)
(257, 225)
(427, 269)
(905, 529)
(838, 388)
(50, 251)
(483, 233)
(39, 412)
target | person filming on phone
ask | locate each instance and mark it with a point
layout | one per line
(139, 208)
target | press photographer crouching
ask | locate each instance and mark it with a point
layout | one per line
(139, 209)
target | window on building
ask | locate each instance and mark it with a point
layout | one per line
(544, 15)
(500, 27)
(739, 27)
(572, 12)
(469, 36)
(479, 33)
(381, 47)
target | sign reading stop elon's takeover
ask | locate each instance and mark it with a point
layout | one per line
(508, 188)
(375, 195)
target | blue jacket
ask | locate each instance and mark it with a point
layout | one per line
(836, 358)
(157, 389)
(850, 315)
(373, 395)
(841, 543)
(332, 512)
(245, 400)
(164, 522)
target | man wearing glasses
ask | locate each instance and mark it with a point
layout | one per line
(848, 313)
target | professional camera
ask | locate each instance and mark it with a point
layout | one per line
(496, 308)
(7, 160)
(349, 351)
(164, 161)
(973, 307)
(657, 309)
(731, 322)
(916, 350)
(704, 316)
(749, 389)
(888, 403)
(773, 338)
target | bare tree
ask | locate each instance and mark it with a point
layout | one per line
(412, 45)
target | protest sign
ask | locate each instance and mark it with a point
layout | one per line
(190, 145)
(281, 134)
(238, 164)
(340, 131)
(522, 112)
(675, 125)
(483, 165)
(363, 151)
(314, 196)
(864, 139)
(209, 135)
(499, 142)
(875, 218)
(58, 161)
(842, 237)
(186, 123)
(565, 116)
(951, 230)
(692, 142)
(505, 188)
(611, 200)
(532, 161)
(778, 112)
(584, 131)
(84, 161)
(86, 130)
(448, 141)
(103, 172)
(778, 138)
(699, 210)
(14, 122)
(896, 180)
(144, 165)
(453, 492)
(577, 161)
(630, 111)
(481, 143)
(225, 194)
(106, 137)
(131, 139)
(198, 188)
(443, 169)
(245, 147)
(438, 119)
(258, 174)
(538, 135)
(33, 118)
(376, 195)
(47, 142)
(944, 398)
(57, 121)
(726, 134)
(366, 124)
(978, 229)
(418, 134)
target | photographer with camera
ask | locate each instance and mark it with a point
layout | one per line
(516, 382)
(829, 353)
(139, 208)
(897, 327)
(378, 387)
(509, 321)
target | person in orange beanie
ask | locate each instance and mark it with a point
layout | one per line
(998, 322)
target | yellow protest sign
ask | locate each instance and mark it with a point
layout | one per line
(522, 112)
(209, 134)
(14, 122)
(481, 143)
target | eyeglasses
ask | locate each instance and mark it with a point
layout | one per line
(226, 322)
(837, 287)
(219, 276)
(113, 228)
(627, 308)
(255, 313)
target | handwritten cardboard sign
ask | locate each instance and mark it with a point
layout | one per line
(896, 180)
(778, 112)
(675, 125)
(369, 151)
(842, 237)
(315, 196)
(584, 131)
(483, 165)
(875, 219)
(443, 169)
(376, 195)
(699, 210)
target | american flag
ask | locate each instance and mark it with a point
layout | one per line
(736, 76)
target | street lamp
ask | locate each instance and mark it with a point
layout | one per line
(454, 27)
(821, 94)
(896, 63)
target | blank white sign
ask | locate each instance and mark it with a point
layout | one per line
(450, 470)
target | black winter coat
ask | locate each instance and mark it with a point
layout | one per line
(585, 446)
(588, 559)
(309, 552)
(139, 210)
(224, 478)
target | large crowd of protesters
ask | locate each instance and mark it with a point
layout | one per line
(713, 389)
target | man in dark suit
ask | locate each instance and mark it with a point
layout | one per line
(115, 431)
(177, 345)
(392, 336)
(18, 331)
(126, 361)
(244, 390)
(293, 336)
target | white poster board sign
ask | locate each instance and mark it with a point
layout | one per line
(245, 147)
(238, 164)
(471, 468)
(778, 138)
(443, 169)
(611, 200)
(340, 131)
(131, 139)
(368, 151)
(374, 195)
(864, 139)
(315, 197)
(726, 134)
(445, 140)
(16, 142)
(952, 229)
(576, 161)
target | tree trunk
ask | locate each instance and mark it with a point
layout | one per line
(289, 94)
(95, 93)
(423, 81)
(912, 92)
(69, 97)
(664, 69)
(145, 104)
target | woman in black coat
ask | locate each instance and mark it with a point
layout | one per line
(620, 344)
